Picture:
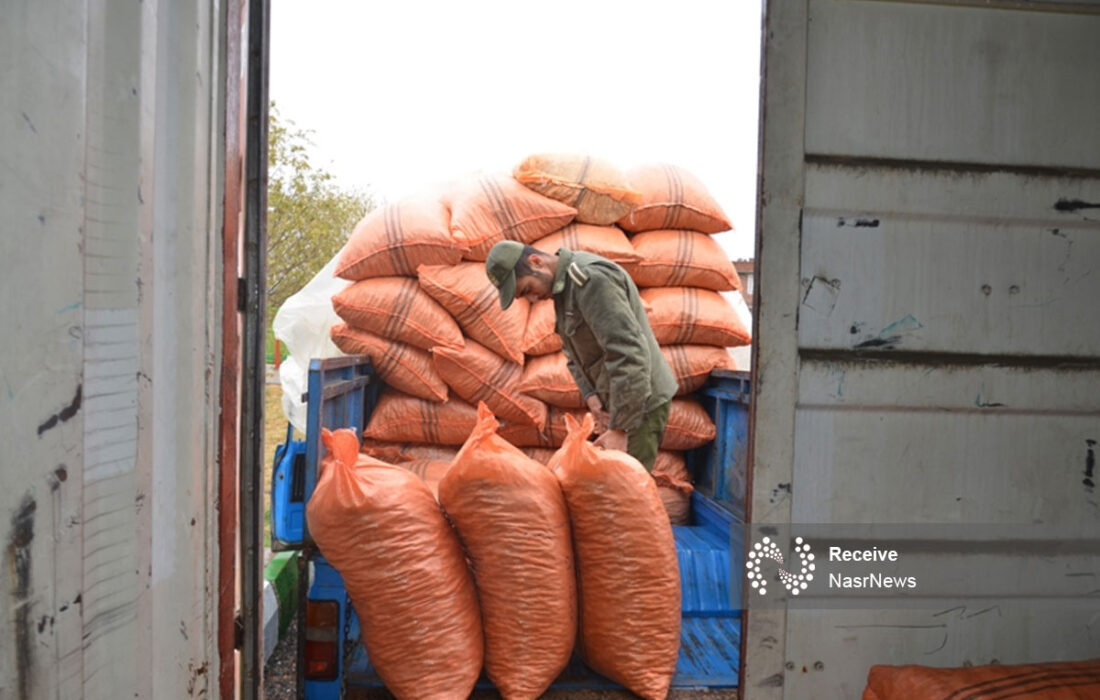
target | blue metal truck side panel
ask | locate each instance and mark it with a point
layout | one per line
(342, 393)
(288, 493)
(720, 467)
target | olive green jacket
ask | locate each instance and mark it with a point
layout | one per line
(607, 340)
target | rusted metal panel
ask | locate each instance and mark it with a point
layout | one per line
(254, 276)
(932, 82)
(229, 409)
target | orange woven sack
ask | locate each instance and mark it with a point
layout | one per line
(471, 298)
(402, 366)
(547, 378)
(430, 471)
(542, 455)
(511, 516)
(628, 573)
(397, 452)
(488, 209)
(398, 309)
(688, 426)
(477, 374)
(682, 259)
(608, 241)
(685, 315)
(692, 364)
(540, 338)
(1072, 680)
(402, 418)
(378, 524)
(398, 238)
(552, 436)
(596, 189)
(672, 198)
(673, 486)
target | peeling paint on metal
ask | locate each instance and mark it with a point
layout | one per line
(780, 492)
(983, 612)
(1074, 205)
(821, 295)
(1090, 464)
(19, 566)
(64, 414)
(904, 325)
(883, 343)
(197, 674)
(943, 643)
(773, 681)
(985, 404)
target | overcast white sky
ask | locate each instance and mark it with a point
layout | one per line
(402, 94)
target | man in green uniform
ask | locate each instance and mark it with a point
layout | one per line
(612, 354)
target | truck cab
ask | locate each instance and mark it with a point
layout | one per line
(333, 663)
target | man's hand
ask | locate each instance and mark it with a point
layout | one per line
(612, 440)
(603, 418)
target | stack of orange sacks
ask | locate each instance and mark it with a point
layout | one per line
(423, 309)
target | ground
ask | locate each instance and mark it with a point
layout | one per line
(281, 668)
(279, 672)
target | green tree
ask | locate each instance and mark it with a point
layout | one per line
(309, 217)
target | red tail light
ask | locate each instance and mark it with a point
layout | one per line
(322, 640)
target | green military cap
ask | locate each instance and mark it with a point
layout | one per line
(500, 268)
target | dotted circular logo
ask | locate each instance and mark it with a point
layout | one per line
(767, 549)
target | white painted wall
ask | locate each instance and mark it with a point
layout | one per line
(110, 188)
(914, 157)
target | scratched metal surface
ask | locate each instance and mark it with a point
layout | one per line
(107, 380)
(994, 82)
(941, 360)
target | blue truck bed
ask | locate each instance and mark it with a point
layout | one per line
(342, 393)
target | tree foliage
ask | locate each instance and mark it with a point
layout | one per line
(309, 217)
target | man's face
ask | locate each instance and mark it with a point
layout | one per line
(535, 286)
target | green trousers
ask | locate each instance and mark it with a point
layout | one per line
(642, 443)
